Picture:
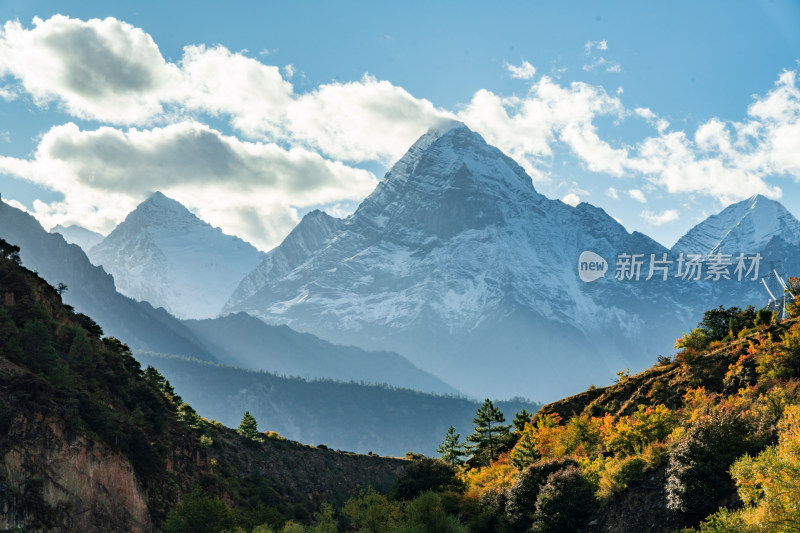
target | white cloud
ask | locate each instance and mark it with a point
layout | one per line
(112, 72)
(526, 71)
(341, 210)
(527, 127)
(598, 45)
(571, 199)
(288, 71)
(245, 188)
(645, 113)
(657, 219)
(577, 189)
(611, 192)
(363, 120)
(16, 204)
(660, 124)
(597, 61)
(637, 195)
(99, 69)
(7, 94)
(603, 64)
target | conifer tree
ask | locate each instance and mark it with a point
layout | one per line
(248, 428)
(522, 418)
(489, 429)
(451, 450)
(526, 451)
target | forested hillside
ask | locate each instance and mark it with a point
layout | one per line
(92, 442)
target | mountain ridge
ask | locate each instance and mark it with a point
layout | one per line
(245, 341)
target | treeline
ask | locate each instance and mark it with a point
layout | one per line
(348, 416)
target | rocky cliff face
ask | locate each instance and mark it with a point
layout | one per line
(53, 482)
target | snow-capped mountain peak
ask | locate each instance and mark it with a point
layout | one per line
(453, 258)
(164, 254)
(743, 227)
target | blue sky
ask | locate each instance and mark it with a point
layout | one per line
(661, 114)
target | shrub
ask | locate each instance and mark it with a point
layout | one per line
(425, 475)
(695, 340)
(698, 466)
(630, 434)
(764, 317)
(198, 513)
(565, 503)
(526, 451)
(781, 360)
(373, 512)
(627, 470)
(426, 513)
(770, 483)
(525, 490)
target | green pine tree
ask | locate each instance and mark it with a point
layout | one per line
(525, 452)
(490, 431)
(248, 428)
(522, 418)
(451, 450)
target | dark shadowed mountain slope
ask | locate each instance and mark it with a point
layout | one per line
(91, 290)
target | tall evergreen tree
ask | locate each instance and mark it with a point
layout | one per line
(451, 450)
(248, 428)
(489, 429)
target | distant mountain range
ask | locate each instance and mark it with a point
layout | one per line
(245, 341)
(456, 263)
(348, 416)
